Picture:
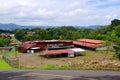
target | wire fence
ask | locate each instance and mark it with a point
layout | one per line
(12, 62)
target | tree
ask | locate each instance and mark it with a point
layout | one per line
(117, 30)
(4, 41)
(115, 22)
(117, 49)
(20, 34)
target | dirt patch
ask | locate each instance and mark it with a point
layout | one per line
(37, 61)
(88, 60)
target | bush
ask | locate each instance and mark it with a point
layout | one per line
(117, 50)
(117, 55)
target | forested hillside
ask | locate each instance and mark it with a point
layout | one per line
(109, 33)
(64, 32)
(5, 31)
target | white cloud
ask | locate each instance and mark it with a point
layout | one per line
(58, 12)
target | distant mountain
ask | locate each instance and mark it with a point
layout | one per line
(12, 26)
(91, 26)
(94, 26)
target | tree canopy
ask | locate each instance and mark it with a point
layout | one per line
(64, 32)
(109, 33)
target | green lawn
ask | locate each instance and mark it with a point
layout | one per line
(4, 65)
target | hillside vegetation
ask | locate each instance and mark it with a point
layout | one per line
(109, 33)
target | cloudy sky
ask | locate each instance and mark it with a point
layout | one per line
(59, 12)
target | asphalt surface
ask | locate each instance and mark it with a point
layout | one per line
(59, 75)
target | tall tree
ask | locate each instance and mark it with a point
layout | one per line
(115, 22)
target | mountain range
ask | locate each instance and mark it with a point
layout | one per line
(12, 26)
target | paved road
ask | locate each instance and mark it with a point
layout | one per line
(59, 75)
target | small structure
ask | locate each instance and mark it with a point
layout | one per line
(90, 44)
(5, 49)
(65, 52)
(30, 33)
(5, 35)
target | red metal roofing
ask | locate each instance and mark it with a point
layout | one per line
(27, 45)
(50, 41)
(85, 44)
(91, 41)
(48, 52)
(5, 34)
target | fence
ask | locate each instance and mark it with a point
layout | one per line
(12, 62)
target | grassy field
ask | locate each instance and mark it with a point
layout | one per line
(4, 65)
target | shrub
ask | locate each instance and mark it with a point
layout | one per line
(117, 55)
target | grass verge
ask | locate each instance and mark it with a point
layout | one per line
(50, 66)
(66, 67)
(4, 65)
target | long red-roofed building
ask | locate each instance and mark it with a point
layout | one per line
(40, 45)
(56, 47)
(90, 44)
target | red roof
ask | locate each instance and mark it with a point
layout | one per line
(49, 41)
(5, 34)
(27, 45)
(85, 44)
(48, 52)
(91, 41)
